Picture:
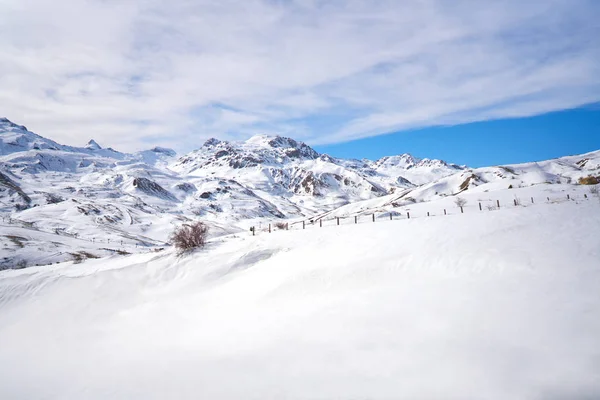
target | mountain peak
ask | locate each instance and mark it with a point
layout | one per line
(8, 123)
(289, 146)
(212, 142)
(164, 150)
(92, 145)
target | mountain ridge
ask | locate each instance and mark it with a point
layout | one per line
(93, 193)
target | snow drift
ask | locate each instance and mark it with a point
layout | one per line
(494, 305)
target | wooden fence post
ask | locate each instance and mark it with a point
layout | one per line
(444, 211)
(515, 201)
(568, 197)
(355, 219)
(338, 220)
(408, 215)
(269, 228)
(532, 200)
(585, 195)
(303, 225)
(498, 203)
(320, 223)
(373, 217)
(390, 216)
(461, 210)
(548, 198)
(479, 206)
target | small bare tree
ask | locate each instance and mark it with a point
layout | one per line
(460, 202)
(189, 237)
(281, 225)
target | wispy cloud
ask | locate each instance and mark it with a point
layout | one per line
(133, 72)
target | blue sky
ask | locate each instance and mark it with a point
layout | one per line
(136, 73)
(505, 141)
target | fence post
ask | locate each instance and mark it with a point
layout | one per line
(515, 201)
(548, 198)
(253, 231)
(373, 217)
(390, 216)
(461, 210)
(498, 203)
(355, 219)
(428, 213)
(269, 228)
(320, 223)
(303, 227)
(338, 220)
(585, 195)
(479, 206)
(532, 200)
(568, 197)
(444, 211)
(408, 215)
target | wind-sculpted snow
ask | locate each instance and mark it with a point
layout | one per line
(140, 197)
(495, 305)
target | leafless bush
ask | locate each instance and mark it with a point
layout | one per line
(281, 225)
(491, 208)
(589, 180)
(460, 202)
(81, 256)
(189, 237)
(594, 189)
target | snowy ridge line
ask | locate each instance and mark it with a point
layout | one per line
(100, 195)
(378, 214)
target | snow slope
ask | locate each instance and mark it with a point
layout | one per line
(494, 305)
(132, 202)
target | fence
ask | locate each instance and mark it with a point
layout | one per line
(492, 205)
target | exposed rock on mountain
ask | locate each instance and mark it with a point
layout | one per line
(92, 193)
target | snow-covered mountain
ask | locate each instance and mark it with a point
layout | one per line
(101, 201)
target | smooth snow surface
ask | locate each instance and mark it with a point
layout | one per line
(491, 305)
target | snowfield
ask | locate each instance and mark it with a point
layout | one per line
(498, 304)
(60, 203)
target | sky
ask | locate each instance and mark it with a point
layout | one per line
(138, 73)
(480, 144)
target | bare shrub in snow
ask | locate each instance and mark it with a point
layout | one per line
(189, 237)
(281, 225)
(589, 180)
(460, 202)
(594, 190)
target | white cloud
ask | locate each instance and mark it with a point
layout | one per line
(131, 73)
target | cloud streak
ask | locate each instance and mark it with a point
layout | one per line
(136, 72)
